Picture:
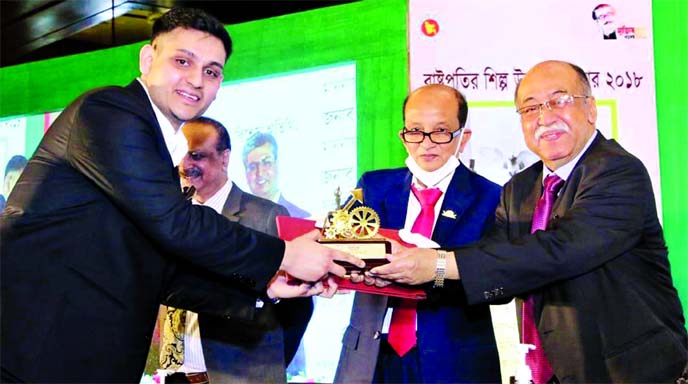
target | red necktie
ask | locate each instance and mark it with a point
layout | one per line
(536, 359)
(402, 329)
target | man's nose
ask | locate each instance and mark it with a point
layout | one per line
(186, 161)
(427, 143)
(195, 78)
(546, 116)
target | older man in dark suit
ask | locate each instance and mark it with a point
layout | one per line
(96, 226)
(586, 252)
(232, 350)
(455, 342)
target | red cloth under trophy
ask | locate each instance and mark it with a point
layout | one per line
(289, 228)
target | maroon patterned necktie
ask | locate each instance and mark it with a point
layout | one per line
(536, 359)
(402, 328)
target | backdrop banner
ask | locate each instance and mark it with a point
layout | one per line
(483, 49)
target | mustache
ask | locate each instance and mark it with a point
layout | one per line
(191, 172)
(543, 129)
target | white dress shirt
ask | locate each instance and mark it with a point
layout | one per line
(565, 170)
(178, 147)
(193, 351)
(412, 212)
(174, 139)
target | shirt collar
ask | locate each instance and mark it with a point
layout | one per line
(218, 199)
(443, 185)
(565, 170)
(174, 139)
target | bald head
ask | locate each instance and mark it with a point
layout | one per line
(580, 74)
(440, 89)
(436, 110)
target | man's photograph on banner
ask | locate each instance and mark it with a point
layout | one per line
(294, 143)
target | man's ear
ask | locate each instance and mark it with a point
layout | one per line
(466, 136)
(146, 58)
(225, 159)
(591, 114)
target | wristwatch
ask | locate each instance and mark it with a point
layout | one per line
(440, 268)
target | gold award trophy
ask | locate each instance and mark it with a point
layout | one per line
(353, 231)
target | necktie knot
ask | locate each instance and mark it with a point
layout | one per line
(553, 183)
(426, 197)
(426, 219)
(544, 206)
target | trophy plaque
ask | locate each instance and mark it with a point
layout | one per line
(354, 230)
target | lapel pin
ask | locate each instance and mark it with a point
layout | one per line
(449, 213)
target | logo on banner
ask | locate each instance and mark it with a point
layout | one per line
(430, 27)
(605, 17)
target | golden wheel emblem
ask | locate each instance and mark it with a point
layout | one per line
(351, 223)
(365, 222)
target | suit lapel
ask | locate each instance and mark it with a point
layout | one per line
(396, 202)
(232, 206)
(525, 195)
(136, 88)
(565, 199)
(458, 197)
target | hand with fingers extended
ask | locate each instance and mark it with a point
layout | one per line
(308, 260)
(411, 266)
(369, 278)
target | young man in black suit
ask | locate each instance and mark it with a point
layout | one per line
(97, 227)
(596, 280)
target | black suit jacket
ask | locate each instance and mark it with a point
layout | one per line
(238, 351)
(606, 308)
(95, 227)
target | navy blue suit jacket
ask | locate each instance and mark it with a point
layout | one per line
(456, 343)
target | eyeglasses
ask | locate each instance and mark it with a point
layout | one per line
(438, 137)
(554, 104)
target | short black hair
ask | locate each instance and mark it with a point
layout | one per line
(16, 163)
(191, 18)
(223, 140)
(258, 139)
(594, 16)
(460, 99)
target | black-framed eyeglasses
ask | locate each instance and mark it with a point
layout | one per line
(554, 104)
(438, 137)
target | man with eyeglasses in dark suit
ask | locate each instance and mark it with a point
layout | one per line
(598, 301)
(454, 342)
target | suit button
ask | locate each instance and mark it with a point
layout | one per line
(376, 335)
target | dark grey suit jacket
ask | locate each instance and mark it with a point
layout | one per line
(606, 308)
(93, 232)
(239, 352)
